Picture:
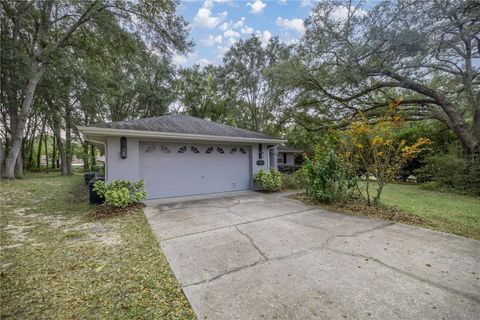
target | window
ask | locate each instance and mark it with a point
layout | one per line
(242, 150)
(150, 149)
(220, 150)
(233, 150)
(284, 158)
(182, 149)
(209, 150)
(194, 149)
(165, 149)
(280, 158)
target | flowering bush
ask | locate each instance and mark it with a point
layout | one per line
(268, 180)
(375, 149)
(121, 193)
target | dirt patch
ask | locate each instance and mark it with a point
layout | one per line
(359, 207)
(18, 233)
(93, 232)
(105, 211)
(57, 221)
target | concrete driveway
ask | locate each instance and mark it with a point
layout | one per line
(265, 256)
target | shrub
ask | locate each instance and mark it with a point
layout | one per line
(121, 193)
(325, 177)
(292, 181)
(268, 180)
(451, 171)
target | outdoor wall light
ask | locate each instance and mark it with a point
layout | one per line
(123, 147)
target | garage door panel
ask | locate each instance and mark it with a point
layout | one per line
(189, 169)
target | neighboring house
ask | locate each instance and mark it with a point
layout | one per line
(77, 162)
(286, 155)
(180, 155)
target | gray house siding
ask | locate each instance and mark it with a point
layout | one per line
(119, 168)
(131, 167)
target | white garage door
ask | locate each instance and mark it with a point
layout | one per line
(172, 170)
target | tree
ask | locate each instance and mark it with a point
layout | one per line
(36, 30)
(200, 92)
(419, 49)
(257, 95)
(377, 149)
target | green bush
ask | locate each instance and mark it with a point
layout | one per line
(325, 177)
(268, 180)
(121, 193)
(292, 181)
(451, 171)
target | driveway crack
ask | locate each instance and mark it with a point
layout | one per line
(352, 235)
(224, 273)
(237, 224)
(408, 274)
(252, 242)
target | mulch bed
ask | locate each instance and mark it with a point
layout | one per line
(359, 207)
(104, 211)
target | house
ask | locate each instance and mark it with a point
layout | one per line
(179, 155)
(286, 155)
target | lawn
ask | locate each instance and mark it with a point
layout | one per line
(59, 262)
(447, 212)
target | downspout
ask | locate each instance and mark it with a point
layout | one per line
(274, 163)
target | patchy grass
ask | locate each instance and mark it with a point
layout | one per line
(58, 261)
(447, 212)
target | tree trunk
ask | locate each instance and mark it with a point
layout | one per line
(68, 140)
(19, 164)
(37, 69)
(46, 153)
(54, 150)
(93, 160)
(31, 145)
(85, 157)
(39, 150)
(61, 150)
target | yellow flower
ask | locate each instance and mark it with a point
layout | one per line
(377, 141)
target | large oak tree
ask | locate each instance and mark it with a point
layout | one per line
(425, 51)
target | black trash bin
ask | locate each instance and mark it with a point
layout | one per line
(94, 197)
(88, 176)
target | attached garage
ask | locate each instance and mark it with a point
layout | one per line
(174, 170)
(181, 155)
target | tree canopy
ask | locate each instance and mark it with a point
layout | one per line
(70, 63)
(422, 51)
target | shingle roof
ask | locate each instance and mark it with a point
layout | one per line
(183, 124)
(288, 149)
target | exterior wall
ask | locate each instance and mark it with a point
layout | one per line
(255, 158)
(290, 159)
(119, 168)
(129, 168)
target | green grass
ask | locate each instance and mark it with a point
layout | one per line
(447, 212)
(58, 263)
